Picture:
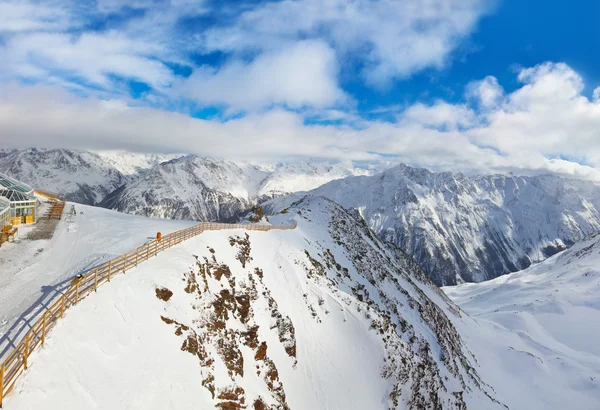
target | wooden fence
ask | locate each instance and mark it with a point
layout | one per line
(16, 360)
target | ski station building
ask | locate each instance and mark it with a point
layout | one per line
(22, 206)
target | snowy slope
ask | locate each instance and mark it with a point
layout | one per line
(32, 272)
(79, 176)
(544, 321)
(321, 317)
(461, 228)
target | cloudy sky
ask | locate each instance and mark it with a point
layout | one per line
(469, 85)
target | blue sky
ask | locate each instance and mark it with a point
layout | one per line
(472, 85)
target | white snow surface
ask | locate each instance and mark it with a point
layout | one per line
(33, 272)
(167, 186)
(203, 188)
(304, 176)
(542, 323)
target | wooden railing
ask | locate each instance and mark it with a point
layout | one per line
(16, 360)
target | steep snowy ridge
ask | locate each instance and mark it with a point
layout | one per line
(325, 316)
(80, 176)
(462, 228)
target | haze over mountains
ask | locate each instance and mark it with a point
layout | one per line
(457, 228)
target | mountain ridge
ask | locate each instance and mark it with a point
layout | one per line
(469, 228)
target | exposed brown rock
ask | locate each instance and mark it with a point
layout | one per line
(259, 404)
(251, 337)
(231, 355)
(209, 383)
(243, 307)
(261, 353)
(243, 244)
(163, 294)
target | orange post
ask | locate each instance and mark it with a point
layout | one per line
(158, 236)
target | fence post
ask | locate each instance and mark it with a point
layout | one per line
(124, 263)
(1, 384)
(26, 354)
(95, 280)
(44, 328)
(77, 291)
(62, 305)
(137, 256)
(109, 268)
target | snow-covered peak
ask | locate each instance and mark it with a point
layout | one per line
(131, 163)
(304, 176)
(463, 228)
(80, 176)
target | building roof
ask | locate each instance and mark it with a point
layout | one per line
(8, 183)
(16, 196)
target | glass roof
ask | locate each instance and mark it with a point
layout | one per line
(12, 184)
(15, 196)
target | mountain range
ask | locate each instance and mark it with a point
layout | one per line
(458, 228)
(165, 186)
(471, 228)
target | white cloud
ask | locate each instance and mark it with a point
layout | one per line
(487, 92)
(441, 115)
(534, 130)
(90, 57)
(296, 46)
(304, 74)
(21, 16)
(393, 38)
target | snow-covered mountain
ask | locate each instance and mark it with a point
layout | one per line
(165, 186)
(133, 163)
(304, 176)
(213, 189)
(80, 176)
(190, 187)
(461, 228)
(325, 316)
